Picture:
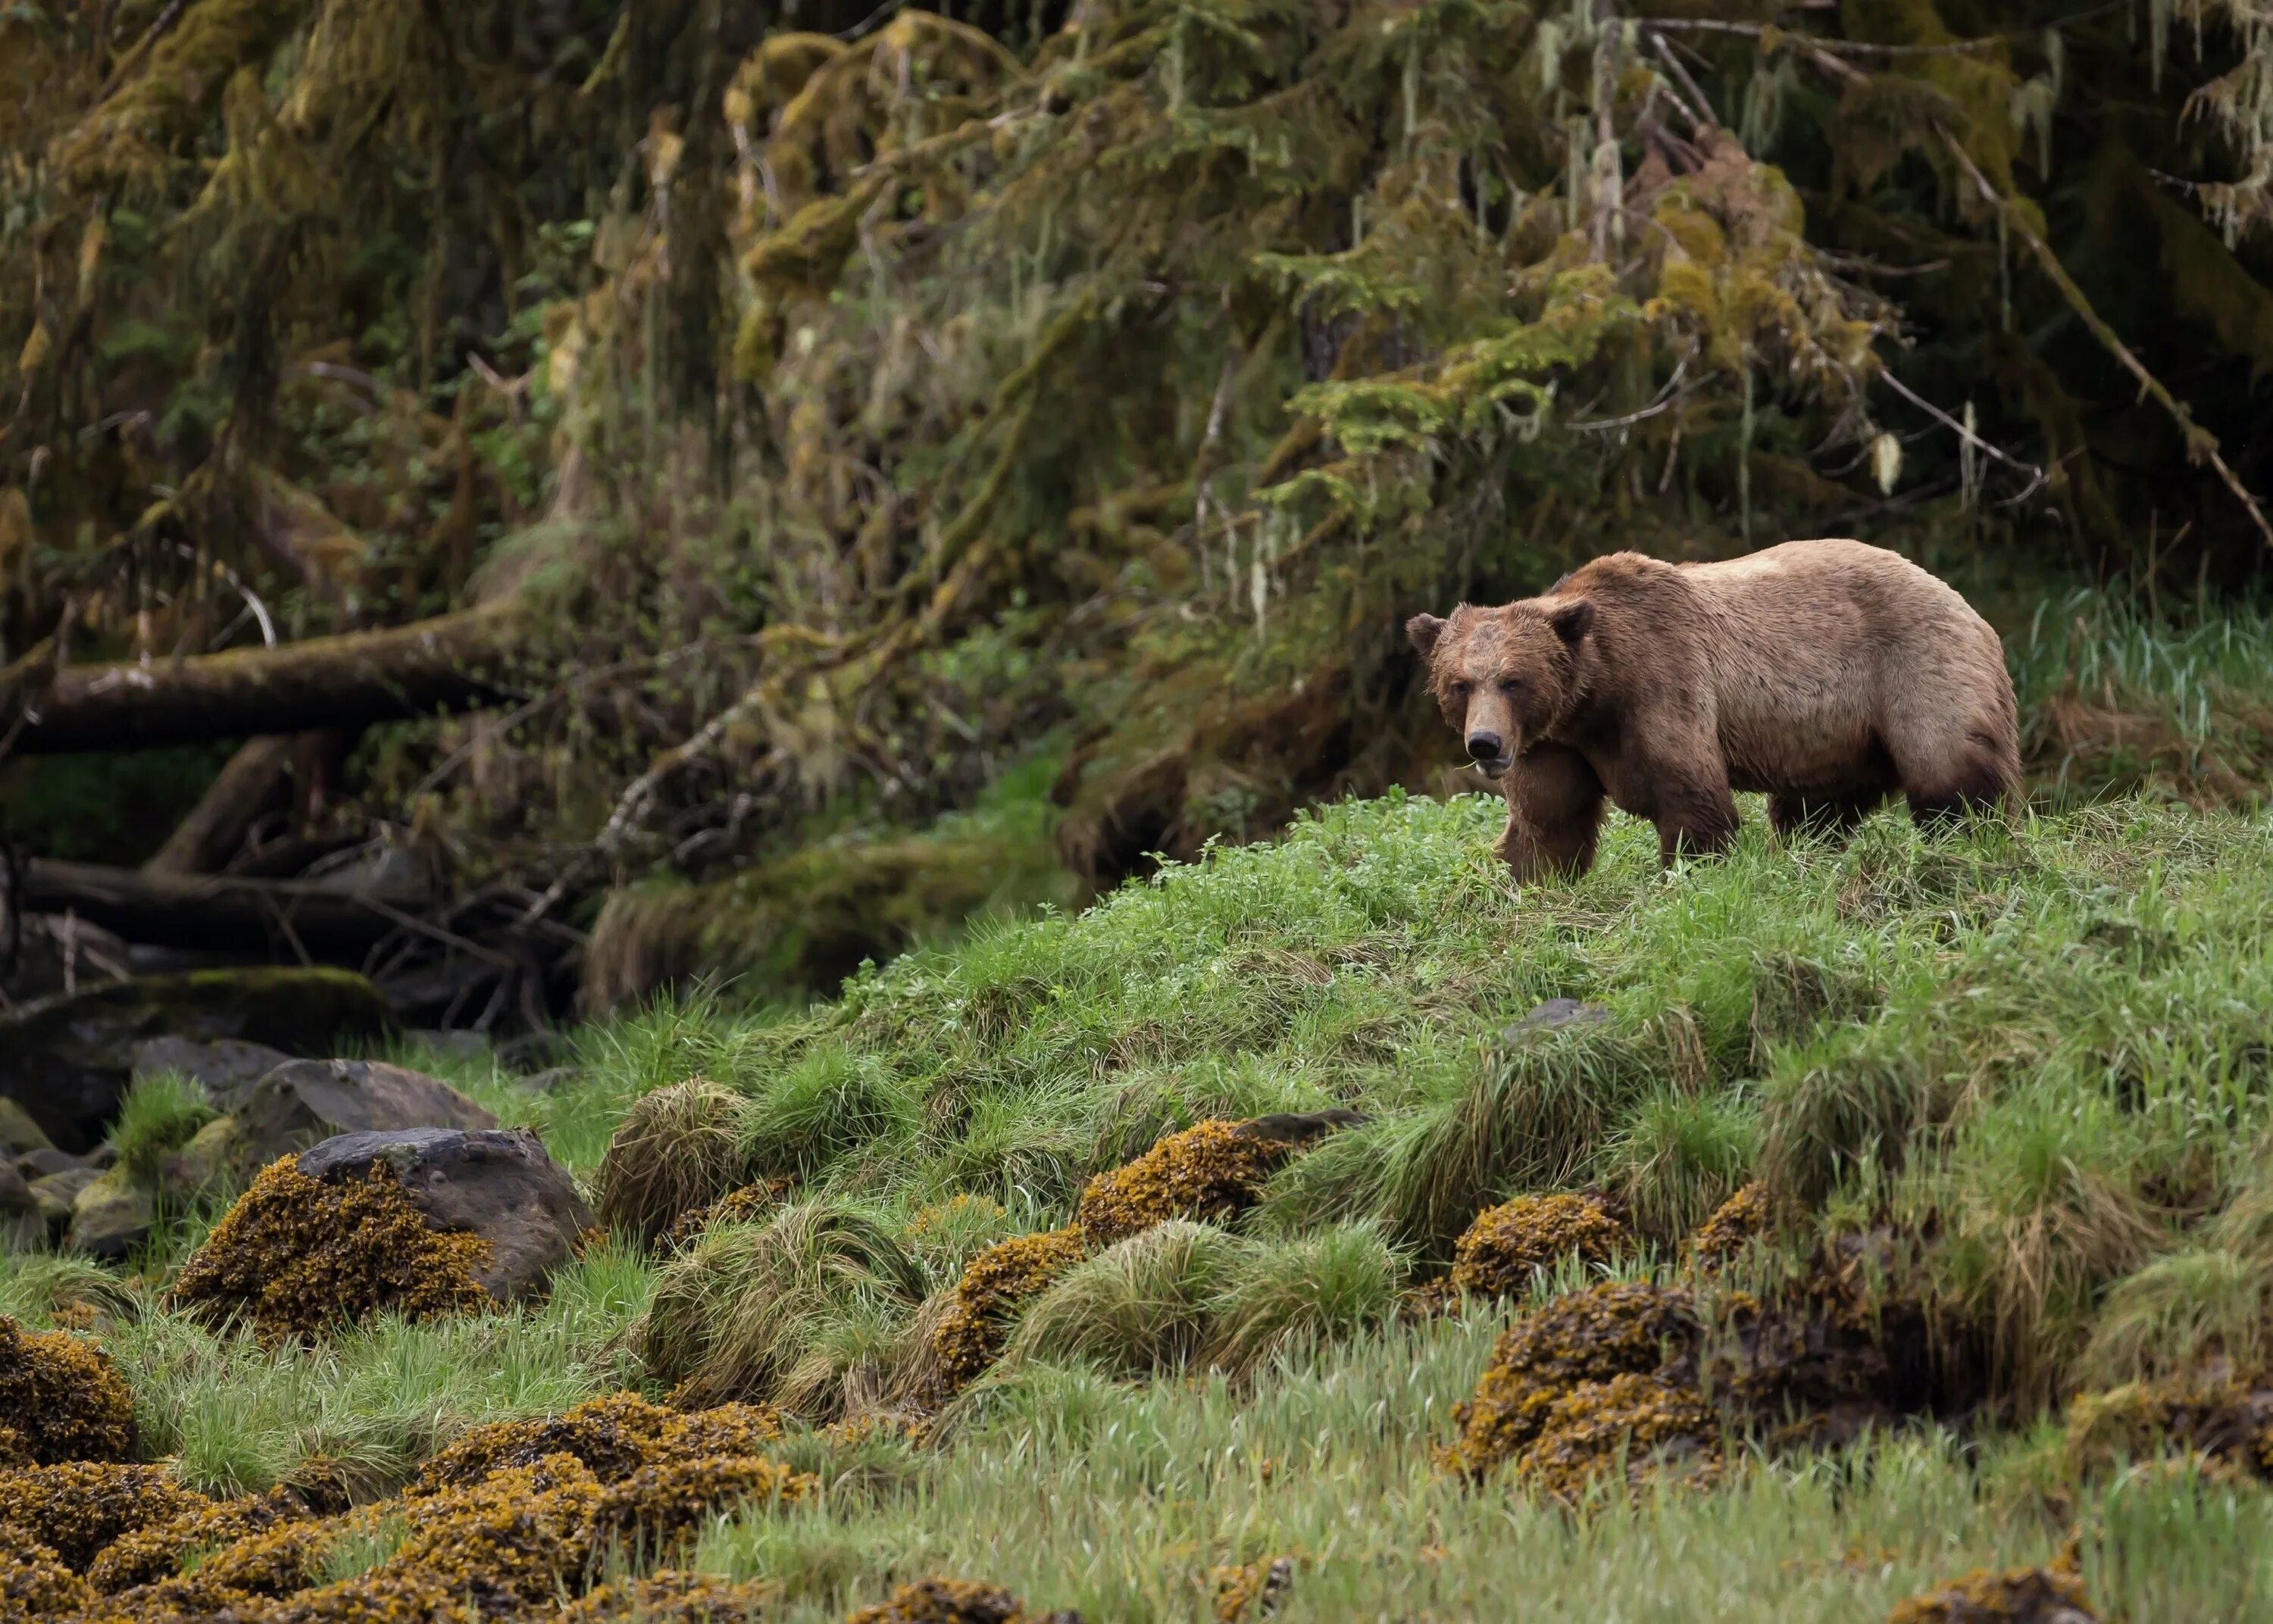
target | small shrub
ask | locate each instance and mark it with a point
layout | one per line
(295, 1256)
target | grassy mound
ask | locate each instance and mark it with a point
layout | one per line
(1943, 1164)
(295, 1257)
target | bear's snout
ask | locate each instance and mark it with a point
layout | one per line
(1489, 751)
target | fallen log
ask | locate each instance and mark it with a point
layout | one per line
(254, 782)
(284, 918)
(345, 682)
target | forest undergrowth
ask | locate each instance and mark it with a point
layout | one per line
(2031, 1061)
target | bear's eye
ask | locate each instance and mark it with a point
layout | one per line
(1461, 687)
(1510, 685)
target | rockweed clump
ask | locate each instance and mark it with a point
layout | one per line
(295, 1256)
(77, 1508)
(1733, 1225)
(2224, 1419)
(1211, 1171)
(150, 1554)
(1507, 1246)
(996, 1285)
(613, 1436)
(672, 1597)
(1245, 1592)
(35, 1584)
(659, 1505)
(747, 1205)
(1661, 1430)
(64, 1399)
(2051, 1595)
(954, 1601)
(1613, 1330)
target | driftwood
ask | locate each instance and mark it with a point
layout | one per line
(288, 918)
(345, 682)
(255, 781)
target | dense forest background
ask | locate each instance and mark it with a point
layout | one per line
(543, 501)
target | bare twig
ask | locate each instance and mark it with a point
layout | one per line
(2201, 444)
(2037, 476)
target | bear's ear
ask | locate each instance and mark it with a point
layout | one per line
(1424, 629)
(1571, 621)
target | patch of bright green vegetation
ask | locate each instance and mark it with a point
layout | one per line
(2047, 1046)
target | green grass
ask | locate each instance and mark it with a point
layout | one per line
(2048, 1047)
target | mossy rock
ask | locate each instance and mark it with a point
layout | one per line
(67, 1061)
(112, 1217)
(19, 1134)
(205, 1163)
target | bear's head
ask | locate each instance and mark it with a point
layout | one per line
(1505, 676)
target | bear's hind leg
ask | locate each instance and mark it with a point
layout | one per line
(1554, 813)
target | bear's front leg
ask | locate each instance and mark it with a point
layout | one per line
(1696, 816)
(1554, 813)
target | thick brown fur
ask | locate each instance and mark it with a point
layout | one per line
(1829, 674)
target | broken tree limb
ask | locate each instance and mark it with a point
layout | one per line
(345, 682)
(282, 917)
(254, 781)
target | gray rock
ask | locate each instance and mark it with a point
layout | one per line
(102, 1158)
(498, 1183)
(1555, 1015)
(207, 1165)
(59, 1193)
(111, 1216)
(226, 1068)
(23, 1224)
(40, 1164)
(1298, 1127)
(19, 1134)
(305, 1102)
(67, 1061)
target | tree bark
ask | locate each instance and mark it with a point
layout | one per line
(345, 682)
(283, 918)
(254, 782)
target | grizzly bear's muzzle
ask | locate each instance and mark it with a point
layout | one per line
(1489, 752)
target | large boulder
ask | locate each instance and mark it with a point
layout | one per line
(305, 1102)
(22, 1222)
(226, 1068)
(67, 1061)
(499, 1183)
(19, 1135)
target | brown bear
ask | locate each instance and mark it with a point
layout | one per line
(1828, 674)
